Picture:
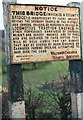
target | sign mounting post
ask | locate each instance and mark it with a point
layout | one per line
(76, 68)
(14, 73)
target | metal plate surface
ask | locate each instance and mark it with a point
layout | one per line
(44, 33)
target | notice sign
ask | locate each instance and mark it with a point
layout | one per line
(44, 33)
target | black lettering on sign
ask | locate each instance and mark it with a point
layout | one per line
(18, 12)
(44, 8)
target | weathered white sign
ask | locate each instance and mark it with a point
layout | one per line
(44, 33)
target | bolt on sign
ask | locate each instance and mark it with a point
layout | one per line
(44, 33)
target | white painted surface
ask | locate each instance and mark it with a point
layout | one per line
(79, 104)
(82, 105)
(17, 109)
(74, 105)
